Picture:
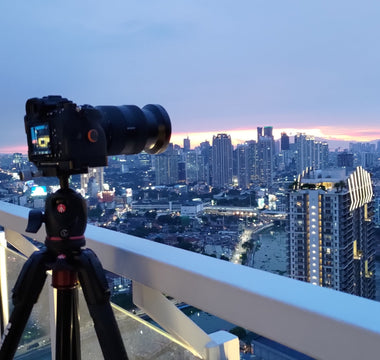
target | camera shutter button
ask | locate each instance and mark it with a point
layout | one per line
(93, 135)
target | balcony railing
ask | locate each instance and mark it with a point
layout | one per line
(319, 322)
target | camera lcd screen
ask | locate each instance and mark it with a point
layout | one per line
(40, 137)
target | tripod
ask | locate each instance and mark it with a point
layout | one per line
(65, 221)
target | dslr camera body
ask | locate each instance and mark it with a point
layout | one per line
(65, 139)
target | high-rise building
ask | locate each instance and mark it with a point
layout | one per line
(247, 164)
(221, 160)
(92, 182)
(17, 161)
(331, 231)
(166, 166)
(284, 141)
(265, 152)
(242, 170)
(345, 159)
(268, 131)
(182, 172)
(252, 161)
(186, 144)
(310, 153)
(206, 162)
(193, 167)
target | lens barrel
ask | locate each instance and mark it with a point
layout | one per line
(130, 130)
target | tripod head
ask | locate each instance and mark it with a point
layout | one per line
(65, 219)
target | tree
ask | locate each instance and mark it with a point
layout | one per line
(339, 186)
(239, 332)
(151, 214)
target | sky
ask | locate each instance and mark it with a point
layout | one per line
(215, 66)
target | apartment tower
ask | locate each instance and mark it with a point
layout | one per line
(331, 232)
(221, 160)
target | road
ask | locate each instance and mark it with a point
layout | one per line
(245, 236)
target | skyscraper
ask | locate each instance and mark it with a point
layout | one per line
(92, 182)
(186, 144)
(206, 162)
(284, 141)
(310, 153)
(331, 232)
(265, 152)
(242, 165)
(221, 160)
(166, 166)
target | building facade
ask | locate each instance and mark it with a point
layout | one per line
(166, 166)
(265, 156)
(310, 153)
(92, 182)
(331, 231)
(221, 160)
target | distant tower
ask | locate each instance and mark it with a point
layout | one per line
(186, 144)
(265, 151)
(284, 141)
(206, 162)
(259, 133)
(268, 131)
(17, 160)
(167, 167)
(345, 159)
(242, 152)
(310, 153)
(331, 231)
(95, 177)
(221, 160)
(182, 172)
(193, 167)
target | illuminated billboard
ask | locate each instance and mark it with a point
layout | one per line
(38, 191)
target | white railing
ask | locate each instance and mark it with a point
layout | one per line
(322, 323)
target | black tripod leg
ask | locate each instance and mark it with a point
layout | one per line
(97, 295)
(25, 294)
(68, 342)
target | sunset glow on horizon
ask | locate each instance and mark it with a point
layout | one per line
(239, 136)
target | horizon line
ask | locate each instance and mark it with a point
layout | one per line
(239, 136)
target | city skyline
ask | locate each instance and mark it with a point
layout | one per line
(215, 67)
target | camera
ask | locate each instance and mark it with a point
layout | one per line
(64, 138)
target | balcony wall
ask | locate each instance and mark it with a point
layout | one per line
(322, 323)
